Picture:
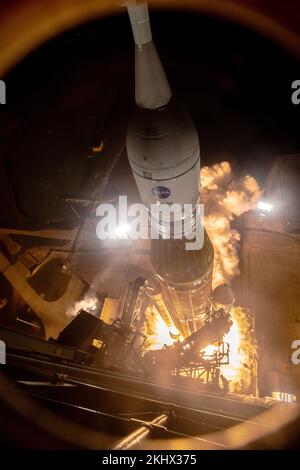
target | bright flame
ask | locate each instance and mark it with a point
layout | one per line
(210, 350)
(243, 351)
(157, 333)
(224, 199)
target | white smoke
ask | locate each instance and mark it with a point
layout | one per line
(226, 198)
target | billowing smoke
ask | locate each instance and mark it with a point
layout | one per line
(90, 302)
(225, 198)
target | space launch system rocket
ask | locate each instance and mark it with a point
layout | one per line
(164, 155)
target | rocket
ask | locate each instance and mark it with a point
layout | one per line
(164, 155)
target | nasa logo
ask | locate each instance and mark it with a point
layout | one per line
(161, 191)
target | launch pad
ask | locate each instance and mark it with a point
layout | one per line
(119, 405)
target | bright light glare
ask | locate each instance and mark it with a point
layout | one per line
(210, 350)
(265, 206)
(283, 396)
(122, 231)
(174, 332)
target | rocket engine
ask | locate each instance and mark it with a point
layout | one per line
(164, 155)
(184, 353)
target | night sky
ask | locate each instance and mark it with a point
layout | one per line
(77, 91)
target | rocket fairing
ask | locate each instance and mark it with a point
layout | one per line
(164, 155)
